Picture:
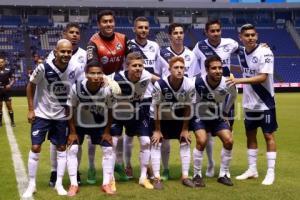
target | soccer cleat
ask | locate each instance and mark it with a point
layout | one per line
(165, 175)
(1, 124)
(210, 171)
(73, 190)
(78, 178)
(247, 174)
(146, 183)
(60, 190)
(198, 181)
(129, 172)
(91, 179)
(157, 184)
(188, 182)
(113, 185)
(31, 189)
(225, 180)
(121, 172)
(13, 124)
(107, 189)
(53, 177)
(270, 177)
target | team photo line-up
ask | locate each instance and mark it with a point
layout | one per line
(156, 94)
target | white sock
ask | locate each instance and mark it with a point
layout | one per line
(61, 166)
(155, 159)
(271, 158)
(185, 155)
(252, 157)
(198, 158)
(108, 164)
(209, 149)
(165, 153)
(144, 155)
(72, 164)
(53, 157)
(79, 156)
(127, 149)
(226, 156)
(119, 151)
(91, 153)
(33, 162)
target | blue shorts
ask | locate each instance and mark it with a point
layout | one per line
(170, 129)
(265, 119)
(211, 126)
(5, 95)
(94, 133)
(57, 131)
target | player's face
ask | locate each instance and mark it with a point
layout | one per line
(177, 36)
(214, 33)
(249, 38)
(73, 35)
(141, 29)
(135, 68)
(2, 63)
(63, 53)
(94, 75)
(215, 71)
(177, 70)
(107, 25)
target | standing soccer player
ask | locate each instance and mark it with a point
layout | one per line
(7, 79)
(211, 93)
(47, 95)
(173, 97)
(257, 64)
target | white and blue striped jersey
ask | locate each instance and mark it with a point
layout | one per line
(260, 60)
(190, 62)
(204, 49)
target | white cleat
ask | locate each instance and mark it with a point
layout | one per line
(247, 175)
(29, 191)
(60, 190)
(270, 177)
(210, 171)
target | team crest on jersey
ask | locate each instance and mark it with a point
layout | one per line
(226, 48)
(144, 83)
(72, 75)
(187, 58)
(222, 92)
(119, 46)
(151, 49)
(104, 60)
(81, 59)
(254, 59)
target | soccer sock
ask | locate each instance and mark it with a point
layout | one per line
(271, 158)
(79, 156)
(209, 149)
(127, 149)
(72, 164)
(119, 151)
(185, 155)
(33, 161)
(11, 116)
(226, 156)
(108, 164)
(91, 153)
(198, 158)
(53, 157)
(144, 155)
(165, 153)
(252, 157)
(155, 159)
(61, 166)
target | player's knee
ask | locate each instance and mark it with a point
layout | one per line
(228, 143)
(61, 147)
(73, 150)
(36, 148)
(108, 152)
(145, 142)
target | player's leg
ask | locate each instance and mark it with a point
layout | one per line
(91, 178)
(165, 157)
(10, 111)
(201, 140)
(144, 161)
(1, 112)
(128, 144)
(53, 163)
(210, 171)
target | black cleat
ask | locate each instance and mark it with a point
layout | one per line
(13, 124)
(225, 180)
(188, 182)
(53, 177)
(157, 184)
(78, 178)
(198, 181)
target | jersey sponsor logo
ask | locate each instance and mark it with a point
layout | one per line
(104, 60)
(35, 133)
(81, 59)
(119, 46)
(72, 75)
(249, 71)
(149, 62)
(254, 59)
(167, 54)
(268, 60)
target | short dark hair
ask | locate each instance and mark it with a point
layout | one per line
(173, 26)
(71, 25)
(246, 27)
(92, 64)
(140, 19)
(2, 57)
(211, 22)
(211, 59)
(105, 12)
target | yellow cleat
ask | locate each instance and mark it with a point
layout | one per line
(146, 183)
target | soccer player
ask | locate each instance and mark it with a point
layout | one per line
(224, 48)
(109, 48)
(170, 111)
(257, 63)
(211, 93)
(7, 79)
(177, 48)
(150, 52)
(134, 109)
(47, 95)
(91, 99)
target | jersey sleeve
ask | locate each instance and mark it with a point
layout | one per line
(38, 74)
(72, 97)
(266, 64)
(158, 65)
(191, 93)
(232, 95)
(200, 57)
(157, 96)
(194, 68)
(235, 46)
(92, 54)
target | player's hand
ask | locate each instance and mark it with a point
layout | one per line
(7, 87)
(107, 137)
(231, 81)
(31, 116)
(72, 138)
(156, 137)
(185, 136)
